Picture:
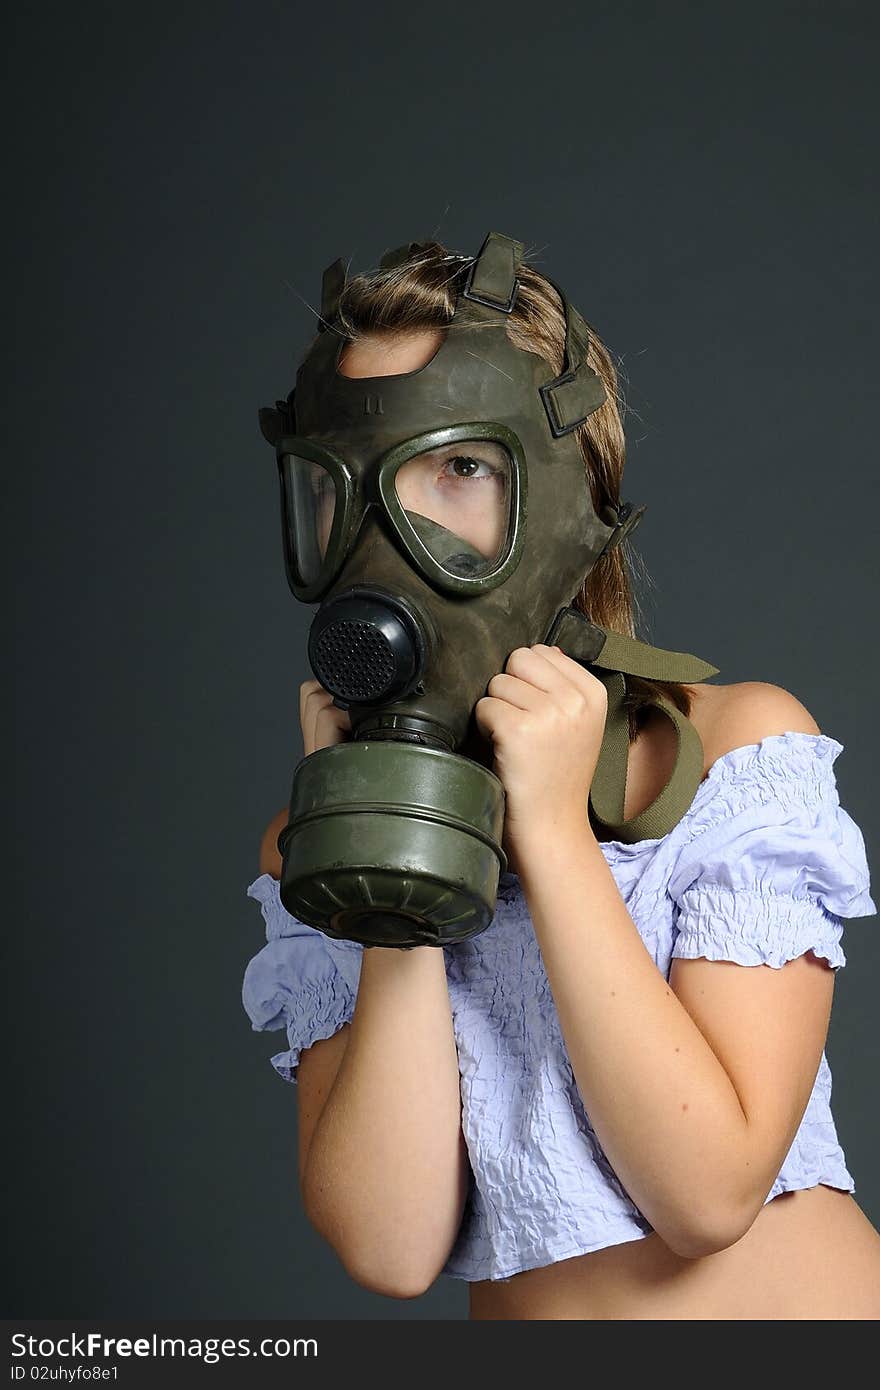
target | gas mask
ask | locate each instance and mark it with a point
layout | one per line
(440, 519)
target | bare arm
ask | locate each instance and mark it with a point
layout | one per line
(383, 1163)
(665, 1072)
(386, 1172)
(695, 1087)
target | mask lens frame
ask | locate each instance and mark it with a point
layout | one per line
(289, 448)
(354, 494)
(511, 549)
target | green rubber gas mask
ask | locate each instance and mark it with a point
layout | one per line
(440, 518)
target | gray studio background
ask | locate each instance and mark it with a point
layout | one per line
(699, 180)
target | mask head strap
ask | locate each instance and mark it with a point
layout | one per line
(572, 396)
(332, 284)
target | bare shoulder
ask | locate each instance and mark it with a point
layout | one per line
(270, 858)
(733, 716)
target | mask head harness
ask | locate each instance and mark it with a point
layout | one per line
(460, 382)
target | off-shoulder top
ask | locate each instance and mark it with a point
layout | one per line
(763, 867)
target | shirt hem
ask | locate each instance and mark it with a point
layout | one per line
(842, 1181)
(540, 1259)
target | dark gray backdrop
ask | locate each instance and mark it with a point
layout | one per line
(699, 179)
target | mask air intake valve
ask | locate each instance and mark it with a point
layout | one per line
(366, 647)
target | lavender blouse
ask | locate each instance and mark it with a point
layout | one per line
(762, 868)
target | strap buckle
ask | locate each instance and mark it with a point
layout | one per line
(470, 293)
(496, 266)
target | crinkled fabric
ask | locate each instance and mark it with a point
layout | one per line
(301, 980)
(763, 868)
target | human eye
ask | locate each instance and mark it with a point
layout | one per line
(464, 467)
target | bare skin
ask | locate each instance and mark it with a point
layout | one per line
(810, 1254)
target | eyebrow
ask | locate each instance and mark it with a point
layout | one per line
(470, 443)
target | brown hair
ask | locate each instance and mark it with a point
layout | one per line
(420, 293)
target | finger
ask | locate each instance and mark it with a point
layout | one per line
(306, 689)
(534, 664)
(307, 718)
(313, 698)
(575, 672)
(330, 725)
(514, 691)
(490, 715)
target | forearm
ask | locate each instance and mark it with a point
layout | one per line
(385, 1181)
(662, 1106)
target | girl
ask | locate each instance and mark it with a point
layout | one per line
(614, 1102)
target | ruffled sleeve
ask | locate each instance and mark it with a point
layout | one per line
(774, 864)
(301, 980)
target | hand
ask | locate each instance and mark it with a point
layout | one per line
(323, 723)
(545, 715)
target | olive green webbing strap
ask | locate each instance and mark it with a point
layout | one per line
(608, 789)
(613, 656)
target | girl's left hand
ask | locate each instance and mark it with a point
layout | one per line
(545, 715)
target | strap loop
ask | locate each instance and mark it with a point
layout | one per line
(492, 277)
(624, 519)
(611, 656)
(332, 284)
(608, 790)
(570, 398)
(394, 258)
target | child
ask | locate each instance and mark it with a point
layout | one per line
(613, 1102)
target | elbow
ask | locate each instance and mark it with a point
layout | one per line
(409, 1276)
(696, 1245)
(377, 1271)
(696, 1238)
(390, 1283)
(401, 1253)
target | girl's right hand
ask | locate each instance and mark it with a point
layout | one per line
(323, 723)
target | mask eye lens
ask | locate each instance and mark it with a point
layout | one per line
(310, 498)
(457, 500)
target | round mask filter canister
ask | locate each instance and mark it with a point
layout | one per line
(393, 844)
